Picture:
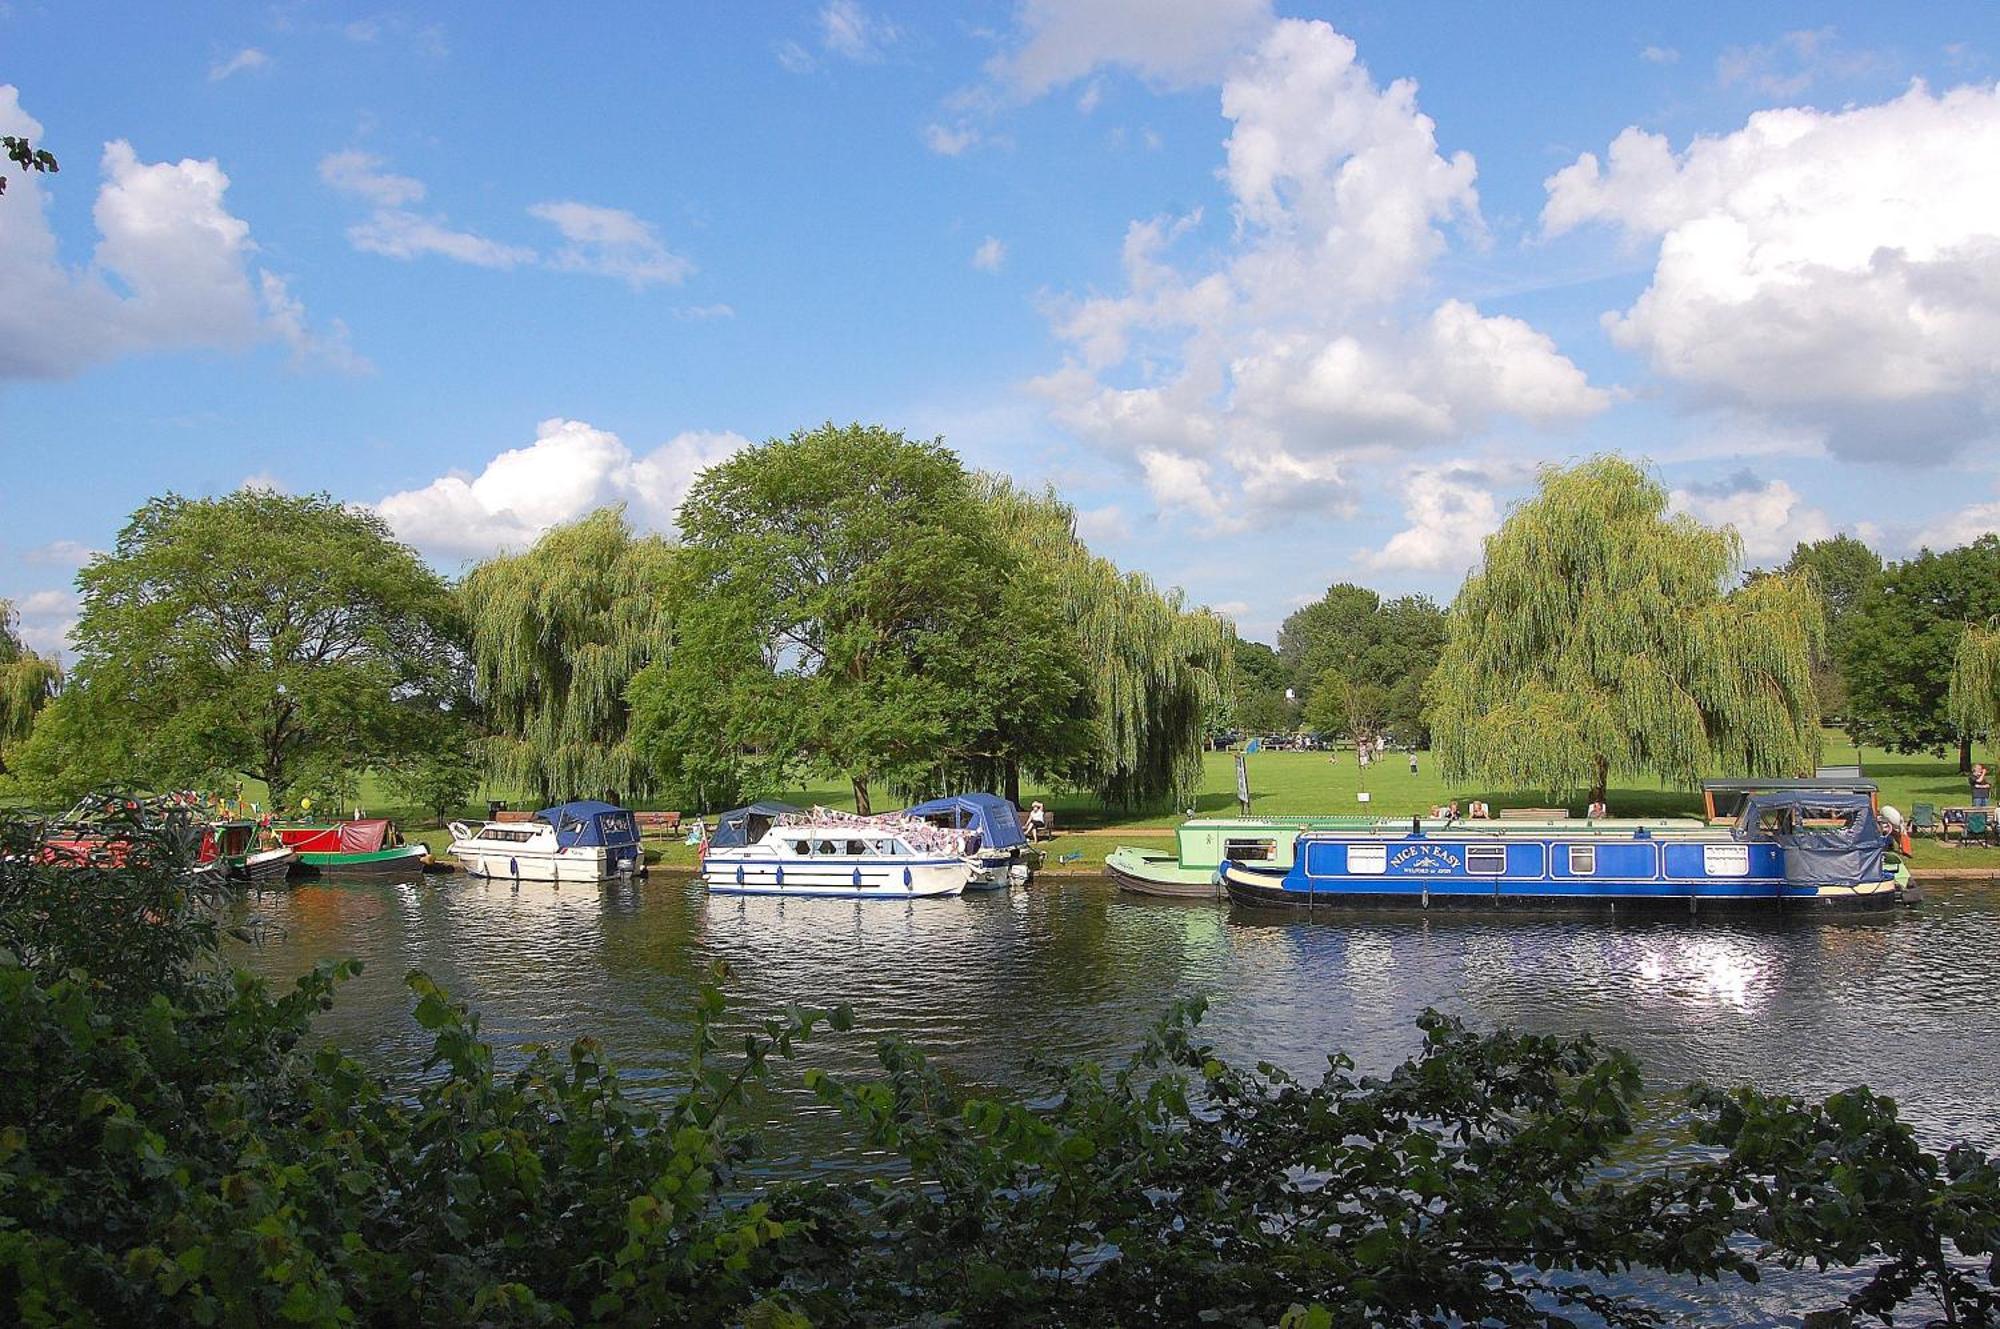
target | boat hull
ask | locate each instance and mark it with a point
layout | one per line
(1263, 890)
(592, 864)
(865, 880)
(263, 868)
(1160, 875)
(403, 858)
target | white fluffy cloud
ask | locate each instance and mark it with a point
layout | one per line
(611, 242)
(1451, 508)
(1836, 270)
(950, 140)
(1770, 516)
(393, 231)
(604, 242)
(851, 32)
(992, 252)
(61, 553)
(45, 620)
(1270, 370)
(1103, 525)
(247, 59)
(569, 470)
(181, 262)
(1168, 45)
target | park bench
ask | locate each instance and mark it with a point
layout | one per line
(1531, 814)
(658, 823)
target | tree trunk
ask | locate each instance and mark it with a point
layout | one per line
(1014, 783)
(861, 795)
(1597, 790)
(1965, 754)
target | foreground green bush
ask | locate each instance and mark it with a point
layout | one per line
(176, 1148)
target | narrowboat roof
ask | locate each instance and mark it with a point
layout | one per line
(1759, 786)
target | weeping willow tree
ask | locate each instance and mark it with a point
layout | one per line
(1599, 639)
(1156, 668)
(557, 634)
(1974, 699)
(27, 682)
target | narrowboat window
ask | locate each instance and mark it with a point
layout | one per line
(1250, 851)
(1583, 860)
(1486, 859)
(1726, 860)
(1367, 860)
(856, 847)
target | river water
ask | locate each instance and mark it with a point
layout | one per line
(989, 983)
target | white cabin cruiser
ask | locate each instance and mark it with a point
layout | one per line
(582, 841)
(771, 849)
(991, 838)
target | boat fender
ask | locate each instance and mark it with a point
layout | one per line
(513, 867)
(739, 874)
(857, 879)
(909, 883)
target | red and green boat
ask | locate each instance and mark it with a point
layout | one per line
(373, 845)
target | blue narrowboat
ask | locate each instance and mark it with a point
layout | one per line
(1786, 849)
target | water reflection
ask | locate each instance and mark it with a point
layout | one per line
(989, 983)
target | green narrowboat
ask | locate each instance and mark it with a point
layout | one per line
(373, 845)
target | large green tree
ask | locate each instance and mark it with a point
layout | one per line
(258, 634)
(1257, 702)
(27, 682)
(1599, 637)
(1329, 633)
(1351, 633)
(1902, 641)
(1349, 706)
(1841, 569)
(1158, 670)
(557, 633)
(1974, 697)
(850, 603)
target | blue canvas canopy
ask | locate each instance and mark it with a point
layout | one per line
(592, 825)
(991, 816)
(739, 827)
(1830, 837)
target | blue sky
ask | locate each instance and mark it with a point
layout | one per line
(1276, 296)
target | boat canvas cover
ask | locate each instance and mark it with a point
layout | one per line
(1831, 838)
(591, 825)
(741, 827)
(342, 837)
(991, 816)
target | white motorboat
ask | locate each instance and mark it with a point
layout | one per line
(583, 841)
(990, 837)
(771, 850)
